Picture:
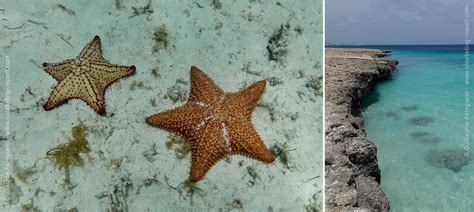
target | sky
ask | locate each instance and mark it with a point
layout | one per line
(392, 22)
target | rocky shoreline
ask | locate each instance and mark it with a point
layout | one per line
(352, 172)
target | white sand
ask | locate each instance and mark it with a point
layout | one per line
(221, 42)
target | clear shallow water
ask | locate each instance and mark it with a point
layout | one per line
(420, 110)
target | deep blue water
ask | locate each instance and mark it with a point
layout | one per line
(417, 121)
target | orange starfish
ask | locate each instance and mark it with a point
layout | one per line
(85, 77)
(217, 124)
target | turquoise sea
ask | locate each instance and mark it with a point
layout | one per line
(417, 119)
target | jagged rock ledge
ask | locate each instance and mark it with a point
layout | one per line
(352, 173)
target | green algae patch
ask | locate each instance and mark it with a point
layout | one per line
(161, 38)
(181, 147)
(190, 188)
(316, 83)
(281, 151)
(66, 155)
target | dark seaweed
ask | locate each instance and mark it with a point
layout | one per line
(409, 108)
(393, 115)
(278, 45)
(452, 159)
(421, 120)
(423, 137)
(161, 38)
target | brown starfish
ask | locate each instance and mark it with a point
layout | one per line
(216, 124)
(85, 77)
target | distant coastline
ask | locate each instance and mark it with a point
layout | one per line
(352, 172)
(374, 46)
(410, 47)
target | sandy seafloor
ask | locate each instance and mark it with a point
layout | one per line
(229, 43)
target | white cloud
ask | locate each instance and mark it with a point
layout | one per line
(390, 21)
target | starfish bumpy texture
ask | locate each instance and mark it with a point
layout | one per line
(85, 77)
(216, 124)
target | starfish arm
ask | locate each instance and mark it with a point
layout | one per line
(77, 87)
(92, 93)
(62, 92)
(246, 141)
(180, 120)
(203, 89)
(106, 73)
(93, 51)
(60, 70)
(242, 104)
(209, 147)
